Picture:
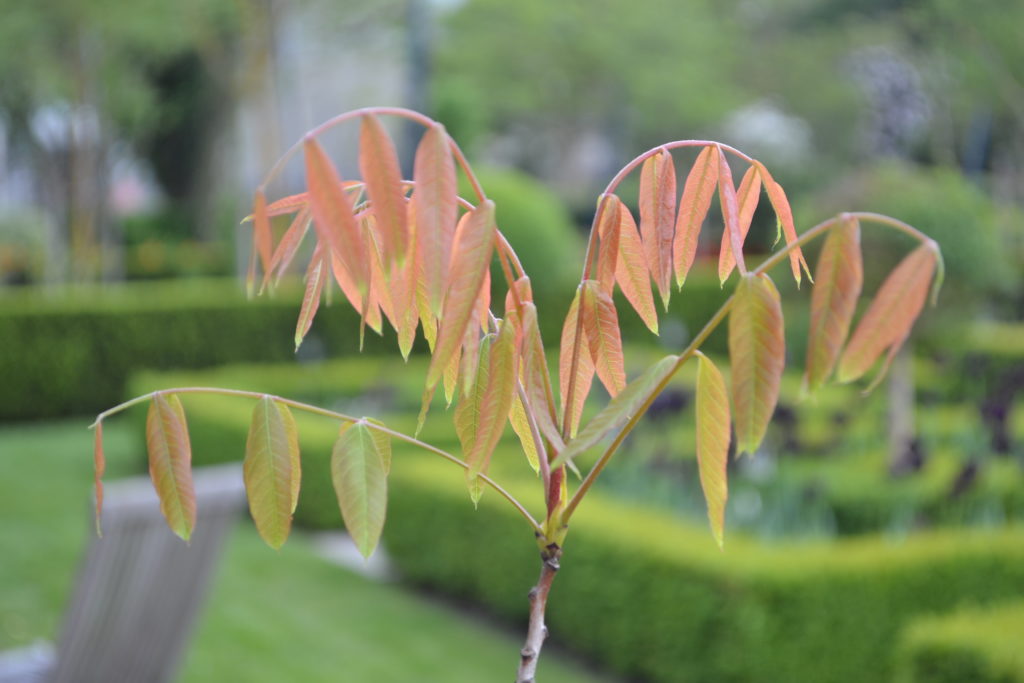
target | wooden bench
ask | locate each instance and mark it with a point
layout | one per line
(139, 589)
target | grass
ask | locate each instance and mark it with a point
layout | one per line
(271, 616)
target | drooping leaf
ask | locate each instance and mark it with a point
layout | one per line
(295, 202)
(360, 483)
(584, 366)
(713, 433)
(99, 467)
(404, 283)
(470, 356)
(631, 270)
(608, 246)
(618, 411)
(747, 197)
(730, 210)
(757, 351)
(536, 378)
(601, 322)
(289, 244)
(521, 426)
(348, 288)
(170, 463)
(837, 285)
(657, 218)
(435, 202)
(451, 377)
(315, 277)
(520, 290)
(269, 470)
(693, 208)
(889, 318)
(467, 411)
(263, 240)
(378, 162)
(335, 223)
(784, 216)
(496, 401)
(471, 259)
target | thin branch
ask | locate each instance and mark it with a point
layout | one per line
(298, 405)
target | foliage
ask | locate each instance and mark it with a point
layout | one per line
(424, 260)
(972, 644)
(251, 601)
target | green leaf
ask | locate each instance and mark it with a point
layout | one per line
(521, 426)
(467, 411)
(757, 350)
(170, 463)
(383, 442)
(360, 483)
(837, 284)
(495, 402)
(713, 442)
(270, 470)
(618, 410)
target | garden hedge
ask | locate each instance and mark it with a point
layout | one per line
(70, 352)
(980, 645)
(640, 591)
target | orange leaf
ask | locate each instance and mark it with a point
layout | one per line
(471, 260)
(730, 210)
(435, 201)
(263, 240)
(631, 271)
(747, 197)
(337, 228)
(608, 247)
(837, 285)
(289, 244)
(784, 217)
(378, 162)
(693, 208)
(713, 427)
(657, 217)
(271, 470)
(757, 350)
(602, 326)
(99, 467)
(584, 367)
(315, 277)
(170, 462)
(522, 289)
(887, 322)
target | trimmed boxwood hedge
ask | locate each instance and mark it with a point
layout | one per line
(973, 644)
(70, 352)
(640, 591)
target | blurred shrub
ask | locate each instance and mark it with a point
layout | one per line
(69, 352)
(640, 592)
(977, 645)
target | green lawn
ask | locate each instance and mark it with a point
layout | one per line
(272, 616)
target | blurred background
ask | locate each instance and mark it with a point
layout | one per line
(133, 134)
